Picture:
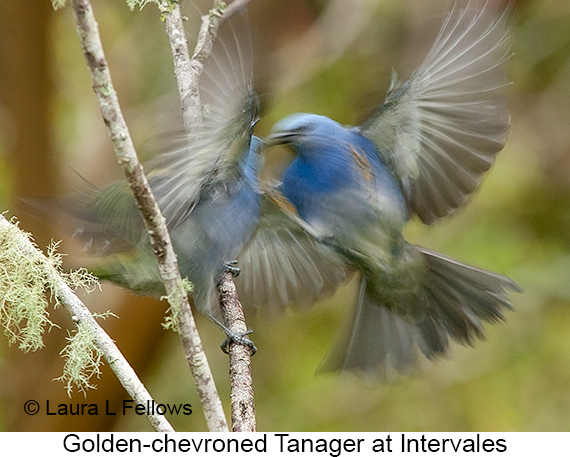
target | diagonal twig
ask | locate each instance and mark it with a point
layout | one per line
(81, 315)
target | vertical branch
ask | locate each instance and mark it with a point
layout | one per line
(187, 75)
(92, 48)
(188, 72)
(242, 402)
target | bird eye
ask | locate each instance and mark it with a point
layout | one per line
(303, 128)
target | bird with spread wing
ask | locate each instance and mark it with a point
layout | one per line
(345, 199)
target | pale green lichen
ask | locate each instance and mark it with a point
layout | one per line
(76, 279)
(28, 279)
(218, 10)
(171, 321)
(163, 5)
(57, 4)
(23, 301)
(83, 358)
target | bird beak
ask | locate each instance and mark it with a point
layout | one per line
(283, 137)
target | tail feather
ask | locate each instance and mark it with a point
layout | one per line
(381, 343)
(456, 301)
(462, 297)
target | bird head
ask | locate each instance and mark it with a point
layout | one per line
(305, 132)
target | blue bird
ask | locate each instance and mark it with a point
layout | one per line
(346, 198)
(206, 183)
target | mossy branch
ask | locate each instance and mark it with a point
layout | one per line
(82, 360)
(27, 274)
(23, 303)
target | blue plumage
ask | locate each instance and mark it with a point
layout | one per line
(344, 201)
(342, 204)
(205, 181)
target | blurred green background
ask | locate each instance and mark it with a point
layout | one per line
(331, 57)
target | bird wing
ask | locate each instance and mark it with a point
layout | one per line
(440, 130)
(283, 264)
(215, 149)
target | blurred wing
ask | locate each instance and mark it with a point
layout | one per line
(440, 131)
(283, 265)
(107, 219)
(217, 146)
(136, 270)
(215, 150)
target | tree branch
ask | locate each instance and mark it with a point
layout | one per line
(81, 315)
(242, 401)
(90, 40)
(188, 72)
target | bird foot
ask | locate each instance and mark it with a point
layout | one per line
(238, 338)
(231, 267)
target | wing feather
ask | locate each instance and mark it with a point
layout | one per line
(283, 265)
(187, 165)
(441, 130)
